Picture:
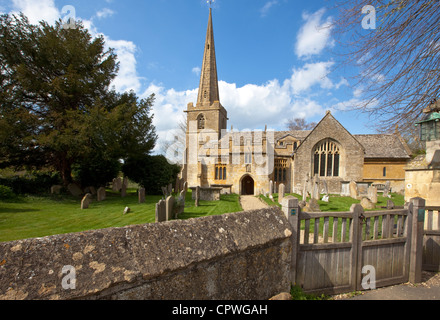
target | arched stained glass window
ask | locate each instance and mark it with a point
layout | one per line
(326, 159)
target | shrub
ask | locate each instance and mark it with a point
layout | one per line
(6, 193)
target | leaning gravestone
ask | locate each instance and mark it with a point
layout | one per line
(86, 201)
(161, 213)
(101, 194)
(367, 204)
(169, 207)
(141, 194)
(353, 190)
(74, 190)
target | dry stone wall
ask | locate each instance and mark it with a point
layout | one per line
(235, 256)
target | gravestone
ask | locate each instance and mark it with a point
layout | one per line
(86, 201)
(353, 190)
(367, 204)
(170, 189)
(390, 205)
(325, 189)
(312, 206)
(101, 194)
(126, 211)
(141, 194)
(270, 187)
(281, 191)
(169, 207)
(372, 194)
(180, 204)
(117, 184)
(387, 189)
(164, 192)
(161, 213)
(74, 190)
(56, 189)
(124, 187)
(197, 202)
(326, 198)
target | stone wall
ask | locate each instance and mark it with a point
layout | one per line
(236, 256)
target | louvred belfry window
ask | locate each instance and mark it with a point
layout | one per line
(326, 159)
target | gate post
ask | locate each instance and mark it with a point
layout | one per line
(416, 255)
(291, 209)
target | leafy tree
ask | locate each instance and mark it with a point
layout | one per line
(56, 107)
(151, 172)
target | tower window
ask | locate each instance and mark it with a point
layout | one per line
(201, 122)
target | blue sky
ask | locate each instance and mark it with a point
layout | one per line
(275, 58)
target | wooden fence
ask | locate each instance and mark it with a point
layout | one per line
(431, 239)
(331, 249)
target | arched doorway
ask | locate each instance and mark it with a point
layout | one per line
(247, 186)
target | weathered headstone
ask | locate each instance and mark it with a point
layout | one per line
(117, 184)
(161, 213)
(312, 206)
(367, 204)
(372, 194)
(387, 189)
(170, 207)
(74, 190)
(281, 192)
(325, 189)
(101, 194)
(390, 205)
(56, 189)
(270, 187)
(86, 201)
(141, 194)
(353, 190)
(124, 191)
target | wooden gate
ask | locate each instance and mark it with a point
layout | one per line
(431, 240)
(331, 249)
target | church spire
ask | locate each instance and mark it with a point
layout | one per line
(208, 89)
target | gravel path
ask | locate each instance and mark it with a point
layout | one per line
(252, 203)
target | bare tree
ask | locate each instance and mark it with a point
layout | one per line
(398, 58)
(300, 124)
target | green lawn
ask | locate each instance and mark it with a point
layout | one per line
(32, 216)
(339, 203)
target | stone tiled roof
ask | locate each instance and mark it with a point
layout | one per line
(298, 134)
(383, 146)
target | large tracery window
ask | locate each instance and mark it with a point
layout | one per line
(326, 159)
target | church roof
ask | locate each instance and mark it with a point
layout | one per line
(383, 146)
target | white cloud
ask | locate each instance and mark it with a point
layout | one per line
(104, 13)
(314, 36)
(311, 74)
(196, 71)
(37, 10)
(265, 10)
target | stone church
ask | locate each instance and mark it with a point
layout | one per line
(246, 162)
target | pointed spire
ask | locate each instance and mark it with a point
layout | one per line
(208, 89)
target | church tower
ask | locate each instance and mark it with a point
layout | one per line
(208, 115)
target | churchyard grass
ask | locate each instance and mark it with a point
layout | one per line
(39, 216)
